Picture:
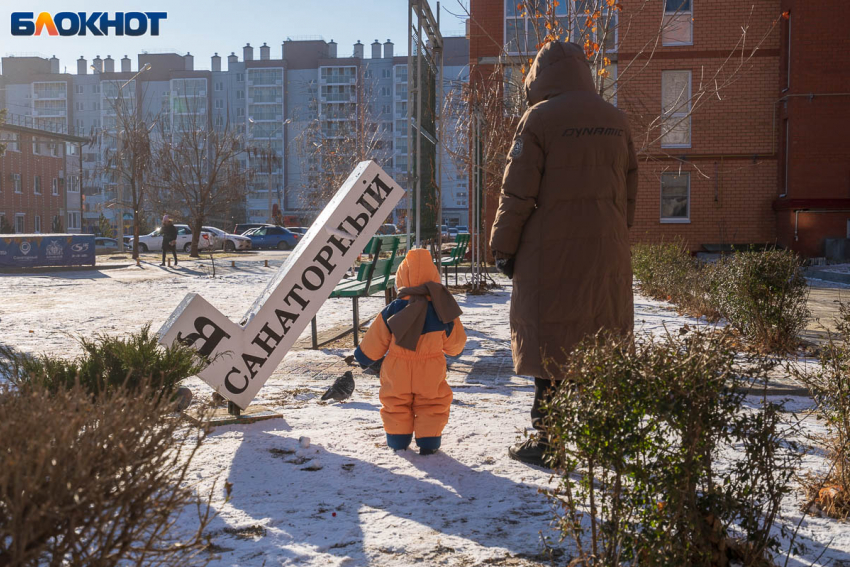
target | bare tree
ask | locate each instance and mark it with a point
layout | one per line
(128, 157)
(196, 164)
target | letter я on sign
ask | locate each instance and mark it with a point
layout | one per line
(243, 356)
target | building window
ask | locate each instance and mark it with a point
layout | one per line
(20, 227)
(676, 109)
(74, 185)
(16, 182)
(240, 77)
(368, 74)
(78, 89)
(37, 184)
(386, 73)
(219, 121)
(219, 86)
(55, 187)
(675, 197)
(677, 27)
(95, 88)
(80, 106)
(386, 109)
(73, 221)
(37, 223)
(385, 91)
(11, 140)
(219, 104)
(240, 95)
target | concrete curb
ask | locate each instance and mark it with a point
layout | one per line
(48, 269)
(823, 274)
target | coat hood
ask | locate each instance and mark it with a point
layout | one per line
(558, 68)
(416, 269)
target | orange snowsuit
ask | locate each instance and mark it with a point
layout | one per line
(414, 394)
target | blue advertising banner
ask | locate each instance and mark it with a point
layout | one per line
(39, 250)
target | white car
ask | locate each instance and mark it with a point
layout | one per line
(153, 242)
(226, 241)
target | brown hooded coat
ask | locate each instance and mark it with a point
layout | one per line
(567, 202)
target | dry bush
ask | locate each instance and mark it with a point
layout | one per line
(97, 480)
(643, 433)
(764, 296)
(830, 386)
(668, 272)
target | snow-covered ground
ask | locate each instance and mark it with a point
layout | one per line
(347, 499)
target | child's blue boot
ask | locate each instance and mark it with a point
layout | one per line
(428, 445)
(399, 442)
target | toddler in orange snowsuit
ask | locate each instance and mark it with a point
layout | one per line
(418, 329)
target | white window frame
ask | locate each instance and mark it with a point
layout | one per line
(674, 220)
(17, 183)
(219, 104)
(22, 217)
(71, 225)
(677, 17)
(37, 225)
(54, 187)
(679, 112)
(36, 184)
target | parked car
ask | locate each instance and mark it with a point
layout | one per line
(244, 227)
(106, 246)
(153, 242)
(226, 241)
(463, 229)
(388, 228)
(452, 234)
(273, 237)
(302, 230)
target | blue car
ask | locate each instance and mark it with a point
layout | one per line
(272, 237)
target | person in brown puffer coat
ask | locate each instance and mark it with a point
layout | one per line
(562, 227)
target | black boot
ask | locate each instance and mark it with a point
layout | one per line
(532, 451)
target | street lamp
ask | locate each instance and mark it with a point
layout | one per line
(270, 158)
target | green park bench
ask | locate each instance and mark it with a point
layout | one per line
(454, 255)
(373, 276)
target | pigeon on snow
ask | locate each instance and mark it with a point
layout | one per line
(341, 389)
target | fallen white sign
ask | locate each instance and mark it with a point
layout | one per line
(244, 355)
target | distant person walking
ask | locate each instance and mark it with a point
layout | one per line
(562, 227)
(169, 238)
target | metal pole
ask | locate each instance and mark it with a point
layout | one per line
(268, 158)
(419, 94)
(410, 93)
(438, 147)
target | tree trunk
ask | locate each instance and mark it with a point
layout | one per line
(196, 236)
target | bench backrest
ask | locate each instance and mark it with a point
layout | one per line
(460, 245)
(381, 268)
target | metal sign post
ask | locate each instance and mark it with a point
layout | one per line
(244, 355)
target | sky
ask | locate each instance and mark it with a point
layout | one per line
(205, 27)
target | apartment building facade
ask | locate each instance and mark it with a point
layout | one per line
(704, 85)
(270, 100)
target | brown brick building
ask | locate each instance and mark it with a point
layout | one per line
(710, 106)
(36, 176)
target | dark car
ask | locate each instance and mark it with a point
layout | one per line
(242, 228)
(106, 246)
(272, 237)
(387, 228)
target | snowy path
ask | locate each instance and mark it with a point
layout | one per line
(347, 499)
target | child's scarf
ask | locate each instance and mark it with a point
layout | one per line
(407, 324)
